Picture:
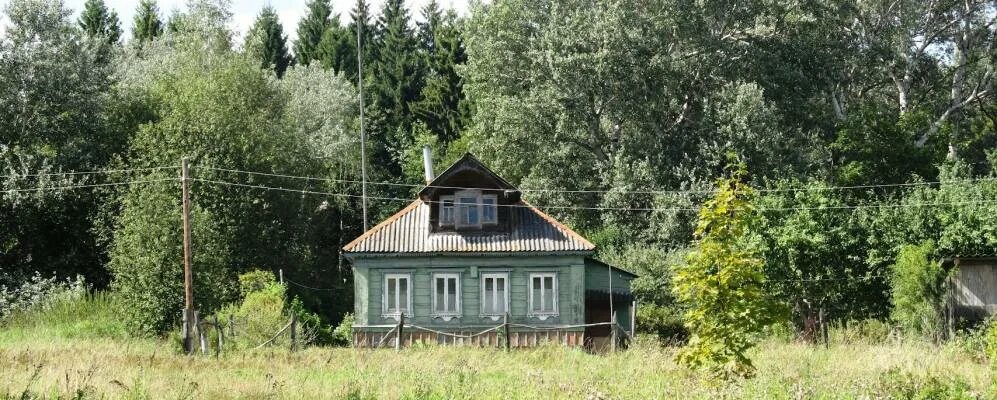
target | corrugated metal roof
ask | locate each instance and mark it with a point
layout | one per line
(408, 231)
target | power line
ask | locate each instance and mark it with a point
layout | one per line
(773, 190)
(819, 208)
(38, 189)
(94, 172)
(309, 287)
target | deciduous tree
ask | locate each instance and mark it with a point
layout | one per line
(723, 283)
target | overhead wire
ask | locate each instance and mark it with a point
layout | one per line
(675, 191)
(38, 189)
(843, 207)
(93, 172)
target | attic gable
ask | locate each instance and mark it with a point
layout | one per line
(469, 172)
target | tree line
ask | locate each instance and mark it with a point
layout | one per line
(624, 112)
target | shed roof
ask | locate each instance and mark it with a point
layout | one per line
(973, 258)
(408, 231)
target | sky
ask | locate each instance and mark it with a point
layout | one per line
(245, 11)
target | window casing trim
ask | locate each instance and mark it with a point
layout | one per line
(396, 313)
(543, 314)
(457, 310)
(447, 207)
(495, 316)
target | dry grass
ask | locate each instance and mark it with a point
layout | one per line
(58, 367)
(79, 350)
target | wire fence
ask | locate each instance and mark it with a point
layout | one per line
(395, 337)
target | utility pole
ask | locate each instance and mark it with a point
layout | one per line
(188, 276)
(363, 138)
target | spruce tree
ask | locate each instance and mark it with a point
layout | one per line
(360, 22)
(397, 72)
(147, 25)
(312, 29)
(97, 20)
(266, 42)
(338, 50)
(442, 105)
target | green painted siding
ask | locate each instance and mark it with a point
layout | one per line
(597, 278)
(369, 278)
(360, 288)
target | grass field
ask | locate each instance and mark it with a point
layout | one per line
(150, 369)
(58, 356)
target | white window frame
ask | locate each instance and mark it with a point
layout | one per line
(482, 206)
(492, 275)
(460, 207)
(544, 314)
(385, 313)
(453, 211)
(446, 315)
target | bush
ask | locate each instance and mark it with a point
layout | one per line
(343, 334)
(258, 318)
(866, 331)
(896, 385)
(265, 310)
(78, 316)
(254, 281)
(663, 322)
(917, 290)
(39, 294)
(973, 341)
(992, 344)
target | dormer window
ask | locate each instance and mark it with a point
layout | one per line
(489, 209)
(468, 209)
(446, 211)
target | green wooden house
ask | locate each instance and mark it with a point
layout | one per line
(470, 254)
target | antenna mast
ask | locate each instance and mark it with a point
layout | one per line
(363, 138)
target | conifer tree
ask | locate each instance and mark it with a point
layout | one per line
(97, 20)
(266, 42)
(338, 49)
(442, 103)
(311, 30)
(396, 70)
(360, 25)
(147, 25)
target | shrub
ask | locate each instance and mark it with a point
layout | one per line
(258, 317)
(973, 341)
(663, 322)
(865, 331)
(896, 385)
(72, 316)
(992, 344)
(265, 310)
(343, 334)
(39, 294)
(254, 281)
(917, 291)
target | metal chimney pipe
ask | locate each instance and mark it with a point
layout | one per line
(427, 163)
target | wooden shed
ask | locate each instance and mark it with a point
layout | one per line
(470, 255)
(972, 288)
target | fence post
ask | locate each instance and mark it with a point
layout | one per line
(294, 332)
(612, 333)
(200, 332)
(231, 325)
(505, 327)
(188, 347)
(823, 330)
(398, 336)
(221, 336)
